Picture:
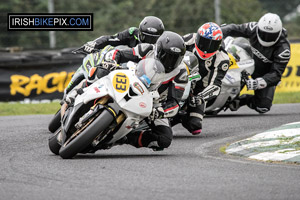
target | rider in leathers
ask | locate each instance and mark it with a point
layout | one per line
(213, 64)
(271, 50)
(149, 30)
(169, 49)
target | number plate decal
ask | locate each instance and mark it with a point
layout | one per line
(121, 82)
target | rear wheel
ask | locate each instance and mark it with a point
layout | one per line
(82, 139)
(55, 122)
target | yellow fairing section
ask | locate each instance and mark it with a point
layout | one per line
(232, 62)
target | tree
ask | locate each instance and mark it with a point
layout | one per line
(110, 17)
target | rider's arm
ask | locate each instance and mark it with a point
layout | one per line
(189, 40)
(134, 54)
(121, 38)
(214, 87)
(281, 59)
(175, 93)
(180, 83)
(171, 105)
(239, 30)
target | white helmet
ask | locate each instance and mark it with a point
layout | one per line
(269, 29)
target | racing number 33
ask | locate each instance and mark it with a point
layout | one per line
(121, 82)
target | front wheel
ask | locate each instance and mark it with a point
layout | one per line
(53, 143)
(55, 122)
(84, 138)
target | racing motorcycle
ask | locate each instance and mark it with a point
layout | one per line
(89, 61)
(241, 67)
(107, 110)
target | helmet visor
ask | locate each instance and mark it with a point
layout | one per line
(148, 38)
(268, 37)
(169, 60)
(207, 45)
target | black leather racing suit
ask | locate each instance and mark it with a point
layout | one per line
(212, 71)
(270, 63)
(172, 88)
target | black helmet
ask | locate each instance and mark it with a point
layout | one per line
(150, 29)
(170, 49)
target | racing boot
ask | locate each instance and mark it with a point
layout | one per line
(147, 138)
(239, 101)
(192, 121)
(192, 124)
(234, 105)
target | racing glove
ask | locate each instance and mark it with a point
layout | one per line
(89, 47)
(256, 84)
(112, 55)
(157, 113)
(70, 98)
(209, 92)
(195, 101)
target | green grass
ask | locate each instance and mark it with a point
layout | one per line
(287, 97)
(51, 108)
(222, 149)
(28, 109)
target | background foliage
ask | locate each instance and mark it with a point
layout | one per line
(182, 16)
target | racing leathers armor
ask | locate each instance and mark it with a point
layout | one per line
(212, 71)
(160, 134)
(128, 37)
(270, 63)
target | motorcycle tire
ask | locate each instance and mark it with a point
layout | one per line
(55, 122)
(53, 143)
(87, 136)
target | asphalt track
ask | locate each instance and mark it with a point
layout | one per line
(192, 168)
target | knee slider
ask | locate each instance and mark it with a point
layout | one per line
(262, 110)
(195, 123)
(164, 142)
(263, 106)
(192, 124)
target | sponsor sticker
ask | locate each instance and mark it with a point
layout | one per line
(142, 105)
(225, 67)
(97, 90)
(138, 87)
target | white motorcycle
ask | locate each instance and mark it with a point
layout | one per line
(108, 110)
(91, 60)
(241, 66)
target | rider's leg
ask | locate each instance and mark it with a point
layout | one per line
(193, 120)
(158, 137)
(262, 100)
(77, 77)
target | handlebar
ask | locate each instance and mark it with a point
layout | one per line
(245, 75)
(80, 50)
